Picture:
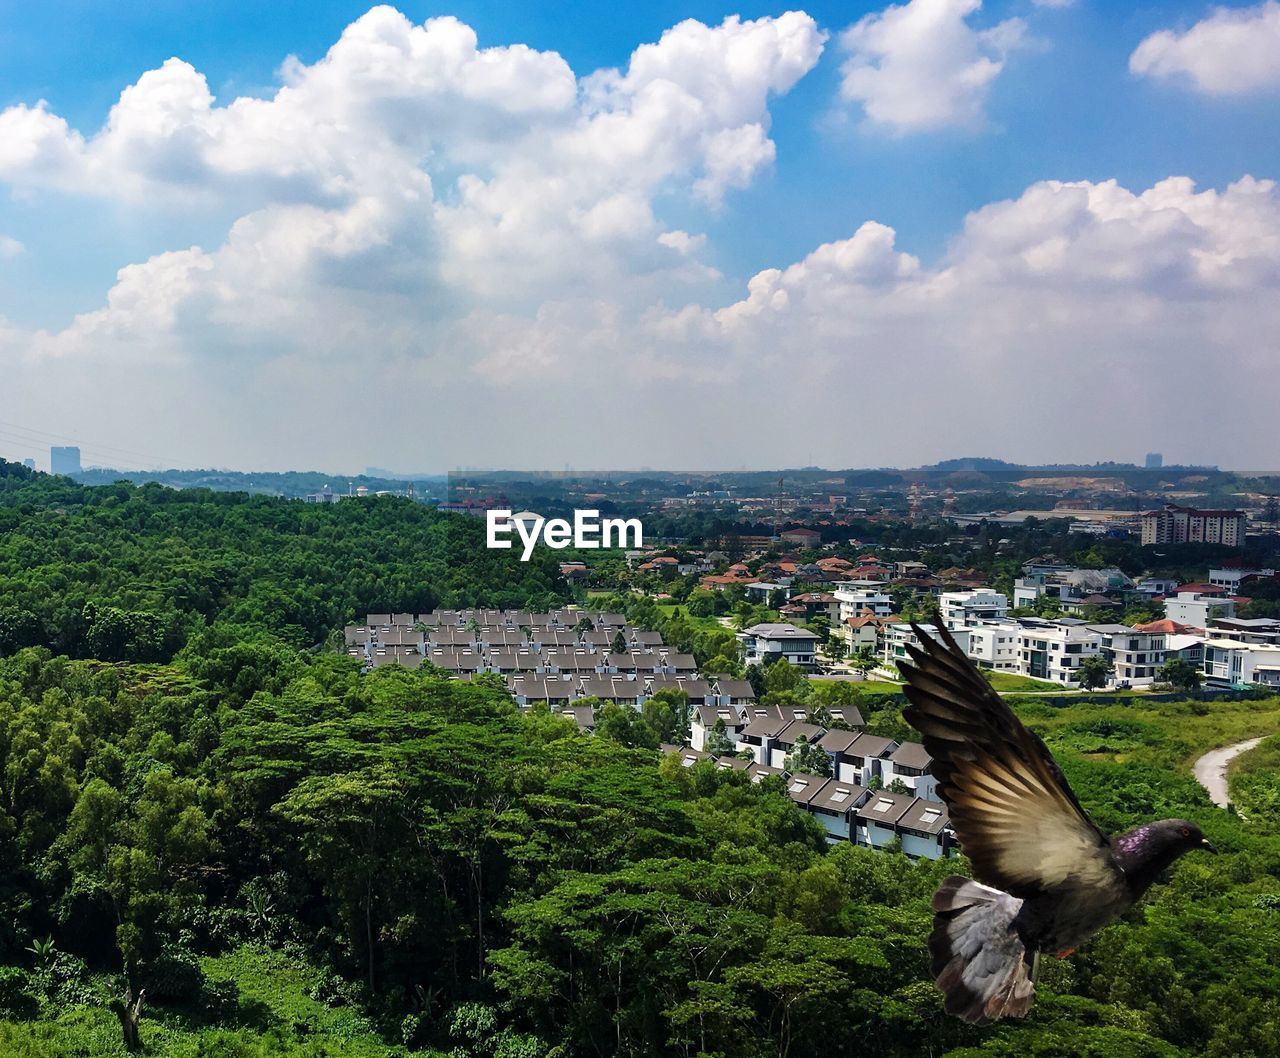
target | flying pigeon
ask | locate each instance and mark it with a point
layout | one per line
(1045, 878)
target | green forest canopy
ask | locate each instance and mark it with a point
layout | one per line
(293, 858)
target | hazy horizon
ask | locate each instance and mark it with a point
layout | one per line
(853, 235)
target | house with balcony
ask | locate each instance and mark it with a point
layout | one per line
(964, 609)
(858, 757)
(1136, 657)
(1228, 663)
(855, 600)
(911, 765)
(764, 644)
(995, 646)
(1053, 650)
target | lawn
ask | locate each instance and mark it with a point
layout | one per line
(278, 1016)
(668, 609)
(1009, 681)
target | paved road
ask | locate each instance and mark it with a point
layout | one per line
(1211, 769)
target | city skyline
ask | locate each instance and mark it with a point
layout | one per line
(875, 236)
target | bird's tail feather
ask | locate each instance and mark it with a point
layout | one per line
(978, 960)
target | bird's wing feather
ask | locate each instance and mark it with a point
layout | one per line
(1015, 815)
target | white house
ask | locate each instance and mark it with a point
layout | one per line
(1053, 650)
(1232, 579)
(1198, 610)
(964, 609)
(705, 718)
(996, 646)
(911, 765)
(854, 600)
(898, 636)
(1246, 629)
(921, 826)
(764, 644)
(1136, 657)
(833, 805)
(1229, 663)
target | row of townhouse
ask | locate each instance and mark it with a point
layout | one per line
(559, 691)
(361, 638)
(850, 811)
(771, 733)
(566, 618)
(561, 663)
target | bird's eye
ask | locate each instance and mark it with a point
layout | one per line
(1186, 832)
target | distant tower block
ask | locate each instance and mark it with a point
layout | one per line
(1154, 460)
(64, 460)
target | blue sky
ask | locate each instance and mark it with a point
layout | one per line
(1064, 106)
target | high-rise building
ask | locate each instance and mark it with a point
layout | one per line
(1187, 525)
(1154, 460)
(64, 460)
(29, 463)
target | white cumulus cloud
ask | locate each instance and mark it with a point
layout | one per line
(1232, 52)
(431, 252)
(921, 65)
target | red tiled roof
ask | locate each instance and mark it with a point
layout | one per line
(1164, 625)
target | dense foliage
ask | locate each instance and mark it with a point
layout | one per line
(121, 573)
(446, 863)
(295, 859)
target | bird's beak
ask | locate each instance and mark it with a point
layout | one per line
(1205, 844)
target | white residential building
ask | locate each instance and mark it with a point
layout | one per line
(1137, 657)
(912, 766)
(1197, 610)
(1053, 650)
(766, 643)
(1227, 662)
(1231, 579)
(964, 609)
(1246, 629)
(898, 637)
(996, 646)
(856, 600)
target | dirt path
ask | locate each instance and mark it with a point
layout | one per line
(1211, 769)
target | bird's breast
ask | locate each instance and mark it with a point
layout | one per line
(1062, 920)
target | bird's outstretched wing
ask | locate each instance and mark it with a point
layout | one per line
(1017, 819)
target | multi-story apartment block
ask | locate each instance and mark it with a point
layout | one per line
(1172, 524)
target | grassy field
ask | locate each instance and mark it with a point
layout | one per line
(1168, 734)
(1254, 779)
(668, 610)
(1009, 681)
(277, 1017)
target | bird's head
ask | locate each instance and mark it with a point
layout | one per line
(1181, 835)
(1147, 850)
